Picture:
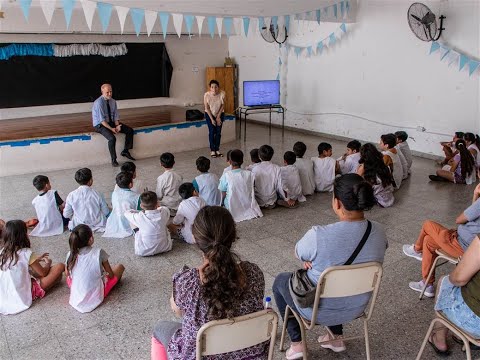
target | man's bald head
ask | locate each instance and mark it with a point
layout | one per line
(106, 91)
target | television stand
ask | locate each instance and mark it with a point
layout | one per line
(245, 111)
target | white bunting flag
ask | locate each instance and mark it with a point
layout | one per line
(1, 1)
(48, 7)
(150, 18)
(219, 25)
(200, 23)
(177, 23)
(122, 13)
(238, 25)
(89, 10)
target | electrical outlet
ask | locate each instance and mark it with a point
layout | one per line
(421, 129)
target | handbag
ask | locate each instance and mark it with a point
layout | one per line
(303, 290)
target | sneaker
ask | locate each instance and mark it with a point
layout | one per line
(115, 163)
(409, 250)
(418, 286)
(336, 346)
(292, 355)
(437, 178)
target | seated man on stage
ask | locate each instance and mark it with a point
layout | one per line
(106, 122)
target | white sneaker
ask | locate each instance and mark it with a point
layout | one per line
(336, 346)
(418, 286)
(291, 355)
(409, 250)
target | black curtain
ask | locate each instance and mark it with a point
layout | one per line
(144, 72)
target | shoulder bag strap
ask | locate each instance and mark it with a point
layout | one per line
(360, 245)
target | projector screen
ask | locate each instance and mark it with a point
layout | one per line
(261, 93)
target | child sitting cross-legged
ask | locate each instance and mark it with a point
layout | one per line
(168, 183)
(292, 186)
(404, 148)
(206, 184)
(268, 180)
(138, 185)
(391, 158)
(461, 169)
(227, 159)
(324, 168)
(254, 158)
(305, 168)
(348, 163)
(151, 234)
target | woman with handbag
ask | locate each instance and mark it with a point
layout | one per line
(351, 240)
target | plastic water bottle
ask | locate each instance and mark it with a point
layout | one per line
(268, 303)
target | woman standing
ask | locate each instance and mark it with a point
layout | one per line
(214, 101)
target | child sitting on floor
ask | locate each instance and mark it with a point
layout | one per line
(268, 180)
(151, 234)
(348, 163)
(462, 168)
(123, 199)
(391, 158)
(24, 276)
(138, 185)
(206, 184)
(449, 149)
(89, 274)
(85, 205)
(191, 204)
(254, 158)
(402, 145)
(473, 145)
(227, 159)
(168, 184)
(238, 190)
(48, 206)
(292, 186)
(324, 168)
(305, 168)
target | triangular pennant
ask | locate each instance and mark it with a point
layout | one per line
(177, 23)
(200, 23)
(246, 24)
(219, 26)
(320, 47)
(275, 21)
(68, 6)
(189, 23)
(463, 61)
(279, 60)
(254, 26)
(435, 46)
(150, 19)
(1, 1)
(164, 17)
(261, 23)
(318, 15)
(444, 52)
(237, 24)
(325, 11)
(25, 5)
(104, 13)
(48, 7)
(335, 11)
(297, 50)
(343, 27)
(287, 23)
(453, 56)
(342, 9)
(122, 13)
(333, 39)
(268, 21)
(137, 16)
(278, 76)
(309, 51)
(473, 65)
(228, 22)
(308, 15)
(211, 21)
(347, 5)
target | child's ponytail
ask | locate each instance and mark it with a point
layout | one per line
(78, 239)
(466, 158)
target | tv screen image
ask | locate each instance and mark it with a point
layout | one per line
(261, 93)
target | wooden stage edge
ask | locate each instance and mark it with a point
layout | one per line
(81, 123)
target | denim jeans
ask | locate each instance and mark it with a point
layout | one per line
(214, 132)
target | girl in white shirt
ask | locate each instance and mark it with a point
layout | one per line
(24, 276)
(89, 274)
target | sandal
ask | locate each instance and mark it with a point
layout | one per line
(213, 154)
(219, 154)
(437, 350)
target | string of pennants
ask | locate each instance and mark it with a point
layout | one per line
(453, 57)
(138, 16)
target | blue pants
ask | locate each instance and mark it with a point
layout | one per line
(214, 132)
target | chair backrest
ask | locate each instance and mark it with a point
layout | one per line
(348, 280)
(226, 335)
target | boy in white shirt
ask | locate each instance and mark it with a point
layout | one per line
(151, 233)
(402, 144)
(237, 187)
(48, 206)
(168, 184)
(268, 181)
(123, 199)
(138, 185)
(254, 158)
(325, 168)
(85, 205)
(305, 168)
(348, 163)
(227, 159)
(292, 186)
(187, 211)
(206, 184)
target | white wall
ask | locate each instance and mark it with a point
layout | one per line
(380, 72)
(186, 55)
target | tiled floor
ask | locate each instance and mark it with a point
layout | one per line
(121, 327)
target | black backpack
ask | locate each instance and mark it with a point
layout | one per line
(194, 115)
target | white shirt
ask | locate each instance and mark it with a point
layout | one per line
(350, 164)
(16, 285)
(167, 189)
(291, 183)
(117, 224)
(187, 211)
(228, 168)
(307, 178)
(251, 166)
(86, 206)
(50, 220)
(324, 170)
(138, 186)
(152, 236)
(208, 189)
(268, 182)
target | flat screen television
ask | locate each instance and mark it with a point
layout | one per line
(261, 93)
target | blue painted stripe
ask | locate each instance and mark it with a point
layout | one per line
(184, 125)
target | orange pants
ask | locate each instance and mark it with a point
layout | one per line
(434, 236)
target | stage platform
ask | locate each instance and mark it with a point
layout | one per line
(56, 142)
